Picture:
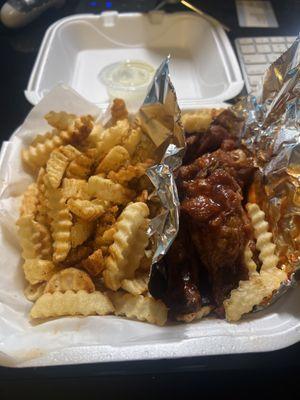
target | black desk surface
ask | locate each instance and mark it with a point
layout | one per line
(209, 376)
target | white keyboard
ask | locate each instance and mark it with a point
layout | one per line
(257, 53)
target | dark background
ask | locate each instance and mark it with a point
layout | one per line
(239, 376)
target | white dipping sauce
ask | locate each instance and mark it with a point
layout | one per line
(128, 80)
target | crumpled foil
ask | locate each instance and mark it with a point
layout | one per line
(160, 119)
(272, 134)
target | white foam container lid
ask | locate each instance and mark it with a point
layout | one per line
(75, 49)
(205, 72)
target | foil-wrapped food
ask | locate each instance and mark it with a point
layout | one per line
(238, 243)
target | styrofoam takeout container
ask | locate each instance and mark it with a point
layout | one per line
(75, 49)
(205, 73)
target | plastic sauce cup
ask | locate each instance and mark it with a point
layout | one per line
(128, 80)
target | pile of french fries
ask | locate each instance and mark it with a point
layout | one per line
(83, 222)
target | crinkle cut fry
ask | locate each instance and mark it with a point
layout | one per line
(94, 263)
(70, 303)
(37, 271)
(252, 292)
(70, 279)
(126, 174)
(128, 248)
(81, 167)
(199, 121)
(75, 189)
(29, 237)
(80, 231)
(114, 160)
(33, 292)
(263, 237)
(30, 201)
(260, 285)
(37, 155)
(105, 189)
(61, 222)
(112, 137)
(85, 209)
(139, 307)
(58, 161)
(137, 285)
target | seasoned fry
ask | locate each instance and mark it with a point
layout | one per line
(130, 241)
(114, 160)
(113, 136)
(133, 140)
(42, 138)
(33, 292)
(87, 210)
(75, 189)
(30, 201)
(77, 224)
(71, 303)
(37, 155)
(81, 167)
(199, 121)
(118, 110)
(76, 255)
(80, 232)
(58, 161)
(78, 131)
(126, 174)
(105, 238)
(60, 120)
(136, 286)
(37, 271)
(95, 135)
(30, 236)
(55, 168)
(61, 222)
(105, 189)
(139, 307)
(82, 128)
(70, 279)
(94, 263)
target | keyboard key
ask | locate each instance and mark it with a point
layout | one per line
(263, 48)
(255, 59)
(245, 41)
(248, 49)
(262, 40)
(256, 69)
(272, 57)
(290, 39)
(277, 39)
(255, 79)
(279, 48)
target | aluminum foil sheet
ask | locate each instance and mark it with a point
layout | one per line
(160, 118)
(272, 134)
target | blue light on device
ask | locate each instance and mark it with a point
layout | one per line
(108, 4)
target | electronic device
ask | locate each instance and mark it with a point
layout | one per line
(257, 53)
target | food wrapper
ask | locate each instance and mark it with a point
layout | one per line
(21, 340)
(272, 134)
